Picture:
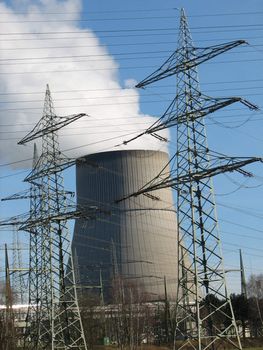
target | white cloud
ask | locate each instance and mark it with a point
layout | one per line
(114, 110)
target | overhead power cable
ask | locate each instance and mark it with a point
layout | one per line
(110, 132)
(240, 26)
(139, 118)
(81, 20)
(90, 105)
(113, 89)
(92, 12)
(104, 54)
(139, 11)
(117, 36)
(94, 105)
(85, 59)
(247, 25)
(123, 96)
(113, 68)
(111, 45)
(72, 148)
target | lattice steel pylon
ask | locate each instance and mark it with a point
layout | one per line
(204, 314)
(54, 319)
(203, 301)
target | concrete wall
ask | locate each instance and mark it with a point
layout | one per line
(136, 238)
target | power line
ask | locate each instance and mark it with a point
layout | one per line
(14, 174)
(116, 89)
(73, 148)
(113, 68)
(96, 105)
(86, 59)
(139, 11)
(117, 36)
(94, 126)
(90, 105)
(82, 56)
(81, 20)
(123, 96)
(246, 26)
(101, 55)
(112, 45)
(87, 46)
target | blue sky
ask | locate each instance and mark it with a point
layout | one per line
(135, 37)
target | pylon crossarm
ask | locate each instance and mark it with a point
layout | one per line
(39, 130)
(30, 224)
(199, 55)
(208, 105)
(231, 164)
(15, 220)
(26, 194)
(62, 164)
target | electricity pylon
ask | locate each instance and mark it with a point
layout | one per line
(202, 299)
(55, 320)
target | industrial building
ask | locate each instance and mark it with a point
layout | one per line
(135, 239)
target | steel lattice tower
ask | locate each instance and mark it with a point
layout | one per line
(55, 320)
(202, 295)
(202, 298)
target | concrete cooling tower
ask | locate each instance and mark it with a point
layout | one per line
(136, 238)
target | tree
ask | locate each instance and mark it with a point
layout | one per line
(255, 294)
(240, 304)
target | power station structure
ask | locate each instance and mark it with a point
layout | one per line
(136, 238)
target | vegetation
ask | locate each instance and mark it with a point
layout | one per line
(130, 322)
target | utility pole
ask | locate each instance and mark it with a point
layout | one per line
(202, 298)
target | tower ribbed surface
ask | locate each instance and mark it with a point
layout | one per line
(136, 237)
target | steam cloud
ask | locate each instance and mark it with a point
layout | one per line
(114, 111)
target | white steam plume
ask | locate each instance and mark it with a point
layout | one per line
(114, 110)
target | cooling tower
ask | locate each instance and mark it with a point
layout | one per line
(136, 238)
